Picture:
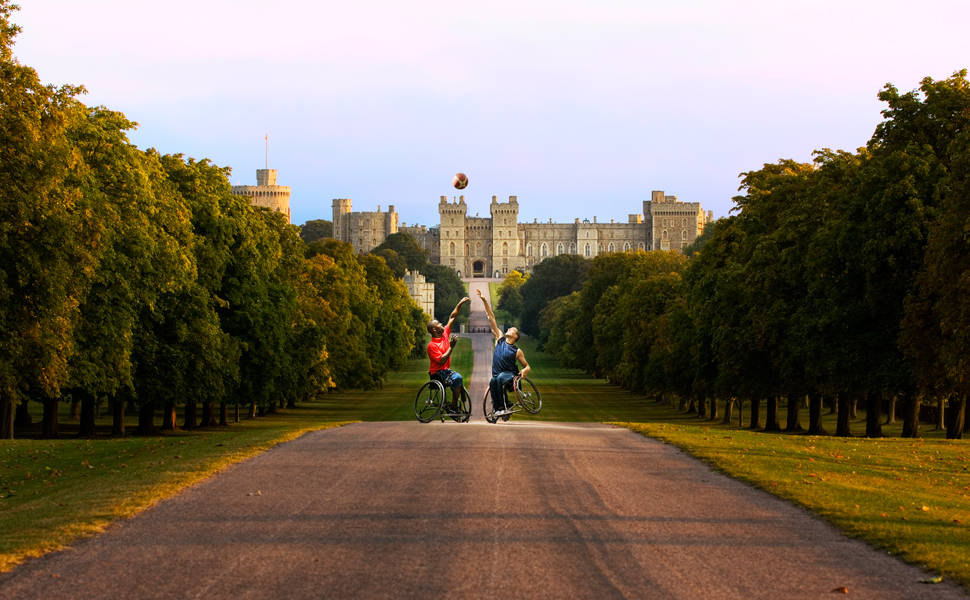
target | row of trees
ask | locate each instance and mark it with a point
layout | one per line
(845, 281)
(132, 279)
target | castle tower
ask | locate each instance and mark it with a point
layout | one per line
(505, 235)
(341, 224)
(266, 193)
(452, 241)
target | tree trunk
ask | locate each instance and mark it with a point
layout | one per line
(291, 402)
(873, 402)
(728, 411)
(146, 418)
(911, 404)
(208, 415)
(22, 416)
(169, 422)
(49, 427)
(853, 408)
(701, 407)
(755, 420)
(75, 408)
(252, 411)
(190, 418)
(86, 426)
(815, 405)
(117, 416)
(891, 410)
(223, 414)
(958, 406)
(682, 403)
(794, 422)
(843, 427)
(236, 418)
(7, 409)
(940, 412)
(771, 414)
(713, 413)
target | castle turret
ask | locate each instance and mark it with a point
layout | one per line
(341, 209)
(452, 241)
(505, 233)
(266, 193)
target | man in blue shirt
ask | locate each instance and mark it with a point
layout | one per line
(505, 361)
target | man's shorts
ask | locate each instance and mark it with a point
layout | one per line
(448, 378)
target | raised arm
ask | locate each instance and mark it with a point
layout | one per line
(526, 369)
(454, 313)
(491, 316)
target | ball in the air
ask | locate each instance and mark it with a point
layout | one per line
(460, 181)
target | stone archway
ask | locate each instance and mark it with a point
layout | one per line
(478, 268)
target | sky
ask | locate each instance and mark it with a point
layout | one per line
(578, 108)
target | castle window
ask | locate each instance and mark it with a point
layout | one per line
(683, 235)
(611, 247)
(572, 248)
(543, 250)
(560, 249)
(478, 247)
(505, 247)
(640, 246)
(466, 249)
(626, 246)
(451, 249)
(528, 249)
(685, 222)
(663, 235)
(586, 253)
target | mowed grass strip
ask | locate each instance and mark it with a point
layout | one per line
(910, 497)
(53, 492)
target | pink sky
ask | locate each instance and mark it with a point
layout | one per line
(579, 108)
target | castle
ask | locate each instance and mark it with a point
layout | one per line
(495, 245)
(266, 193)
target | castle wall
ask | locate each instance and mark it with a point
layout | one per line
(421, 291)
(365, 230)
(495, 245)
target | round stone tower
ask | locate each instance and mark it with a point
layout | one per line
(266, 193)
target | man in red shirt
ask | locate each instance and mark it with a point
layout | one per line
(439, 352)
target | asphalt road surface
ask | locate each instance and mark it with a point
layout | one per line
(534, 510)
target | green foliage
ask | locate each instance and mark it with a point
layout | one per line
(316, 229)
(551, 278)
(407, 248)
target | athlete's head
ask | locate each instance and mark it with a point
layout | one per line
(512, 335)
(435, 328)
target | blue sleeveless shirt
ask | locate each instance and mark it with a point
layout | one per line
(504, 357)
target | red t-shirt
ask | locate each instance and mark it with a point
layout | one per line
(436, 349)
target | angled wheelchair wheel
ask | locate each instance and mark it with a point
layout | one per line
(527, 395)
(427, 404)
(487, 409)
(464, 406)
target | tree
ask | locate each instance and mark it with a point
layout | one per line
(49, 242)
(316, 229)
(551, 278)
(407, 248)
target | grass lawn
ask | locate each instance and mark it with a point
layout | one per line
(910, 497)
(55, 491)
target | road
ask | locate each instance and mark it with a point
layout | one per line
(517, 509)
